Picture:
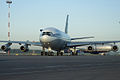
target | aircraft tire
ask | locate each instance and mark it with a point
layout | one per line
(46, 53)
(41, 53)
(57, 54)
(61, 53)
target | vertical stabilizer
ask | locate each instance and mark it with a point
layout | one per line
(66, 25)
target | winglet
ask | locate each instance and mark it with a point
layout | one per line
(66, 25)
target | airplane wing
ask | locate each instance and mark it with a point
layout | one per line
(75, 44)
(24, 42)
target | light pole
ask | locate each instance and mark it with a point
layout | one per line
(8, 2)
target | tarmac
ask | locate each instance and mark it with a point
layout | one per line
(60, 67)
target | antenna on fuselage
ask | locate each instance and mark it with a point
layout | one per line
(66, 25)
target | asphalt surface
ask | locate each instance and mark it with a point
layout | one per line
(59, 67)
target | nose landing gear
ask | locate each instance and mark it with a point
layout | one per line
(49, 53)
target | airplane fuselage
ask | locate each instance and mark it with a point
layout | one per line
(54, 39)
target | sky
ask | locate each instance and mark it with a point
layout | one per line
(98, 18)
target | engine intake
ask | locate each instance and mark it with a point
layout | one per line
(24, 48)
(90, 48)
(115, 48)
(6, 47)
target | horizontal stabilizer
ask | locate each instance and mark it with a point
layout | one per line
(82, 38)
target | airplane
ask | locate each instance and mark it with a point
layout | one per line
(54, 39)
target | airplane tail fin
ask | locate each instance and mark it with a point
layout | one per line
(66, 25)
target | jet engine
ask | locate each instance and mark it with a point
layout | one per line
(6, 47)
(90, 48)
(24, 48)
(99, 48)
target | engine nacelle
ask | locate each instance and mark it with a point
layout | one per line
(24, 48)
(99, 48)
(6, 47)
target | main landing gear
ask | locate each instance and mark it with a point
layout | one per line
(74, 53)
(59, 53)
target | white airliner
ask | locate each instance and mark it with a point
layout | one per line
(54, 39)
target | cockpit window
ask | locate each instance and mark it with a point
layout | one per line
(47, 33)
(43, 33)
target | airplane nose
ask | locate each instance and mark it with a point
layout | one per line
(45, 39)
